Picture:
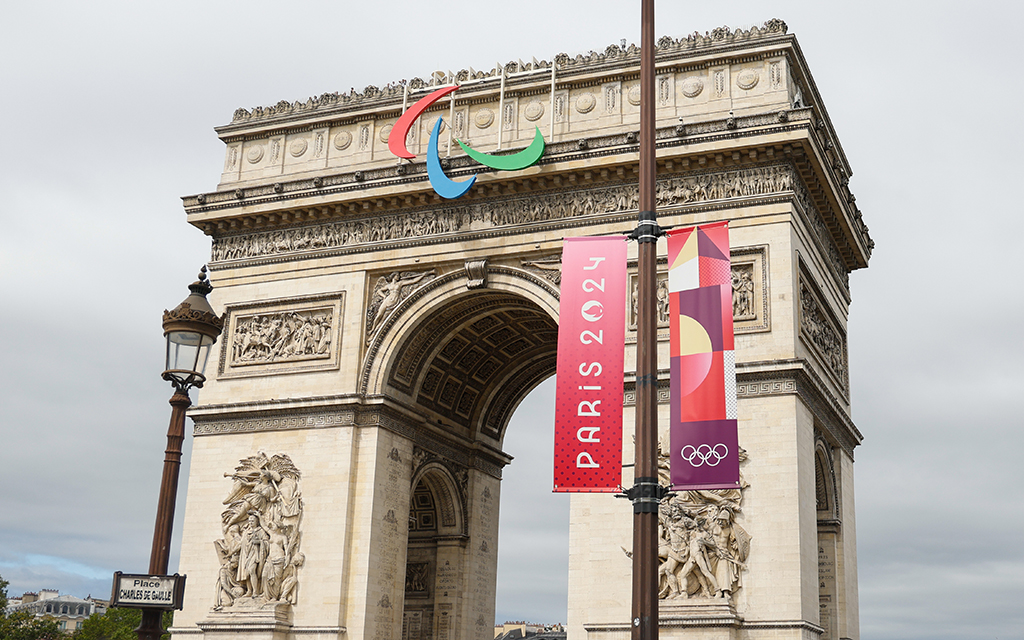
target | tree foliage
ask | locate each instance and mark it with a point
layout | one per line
(116, 624)
(22, 625)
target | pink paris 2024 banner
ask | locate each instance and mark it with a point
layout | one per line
(703, 431)
(591, 349)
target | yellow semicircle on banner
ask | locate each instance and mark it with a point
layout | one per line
(693, 338)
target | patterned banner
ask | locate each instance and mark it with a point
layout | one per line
(591, 347)
(704, 445)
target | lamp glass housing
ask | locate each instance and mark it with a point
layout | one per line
(188, 351)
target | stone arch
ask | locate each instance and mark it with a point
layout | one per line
(825, 483)
(465, 357)
(449, 496)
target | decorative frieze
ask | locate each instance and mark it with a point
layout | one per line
(613, 53)
(671, 191)
(282, 337)
(313, 420)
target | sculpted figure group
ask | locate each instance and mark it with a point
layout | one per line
(742, 292)
(281, 336)
(509, 211)
(703, 550)
(820, 331)
(388, 292)
(259, 553)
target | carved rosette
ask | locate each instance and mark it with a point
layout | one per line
(259, 553)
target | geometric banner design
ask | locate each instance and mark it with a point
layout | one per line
(589, 371)
(703, 430)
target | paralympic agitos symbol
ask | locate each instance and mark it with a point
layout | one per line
(442, 184)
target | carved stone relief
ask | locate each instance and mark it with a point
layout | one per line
(692, 86)
(342, 141)
(702, 548)
(259, 553)
(393, 90)
(254, 154)
(282, 337)
(476, 272)
(548, 268)
(388, 292)
(743, 292)
(664, 90)
(275, 336)
(661, 297)
(822, 333)
(534, 111)
(750, 289)
(749, 297)
(586, 103)
(483, 118)
(775, 74)
(416, 579)
(633, 95)
(530, 209)
(747, 79)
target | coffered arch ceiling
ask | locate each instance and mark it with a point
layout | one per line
(472, 360)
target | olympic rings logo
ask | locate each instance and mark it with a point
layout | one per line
(442, 184)
(704, 454)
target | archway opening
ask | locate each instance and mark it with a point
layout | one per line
(464, 360)
(533, 549)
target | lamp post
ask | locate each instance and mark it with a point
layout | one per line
(646, 493)
(190, 329)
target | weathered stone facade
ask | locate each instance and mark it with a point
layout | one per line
(380, 339)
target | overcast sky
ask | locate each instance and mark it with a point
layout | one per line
(108, 111)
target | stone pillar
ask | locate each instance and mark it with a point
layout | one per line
(481, 557)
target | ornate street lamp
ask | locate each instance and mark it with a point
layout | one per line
(191, 328)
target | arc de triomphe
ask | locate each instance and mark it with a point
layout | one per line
(346, 471)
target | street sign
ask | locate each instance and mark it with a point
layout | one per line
(141, 591)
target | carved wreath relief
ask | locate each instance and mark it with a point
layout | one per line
(701, 547)
(259, 553)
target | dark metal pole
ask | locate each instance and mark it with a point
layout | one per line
(646, 492)
(151, 627)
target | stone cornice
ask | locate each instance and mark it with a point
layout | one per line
(297, 203)
(408, 174)
(720, 42)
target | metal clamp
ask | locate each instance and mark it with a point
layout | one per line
(645, 494)
(647, 229)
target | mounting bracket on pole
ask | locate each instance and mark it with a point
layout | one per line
(645, 494)
(647, 229)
